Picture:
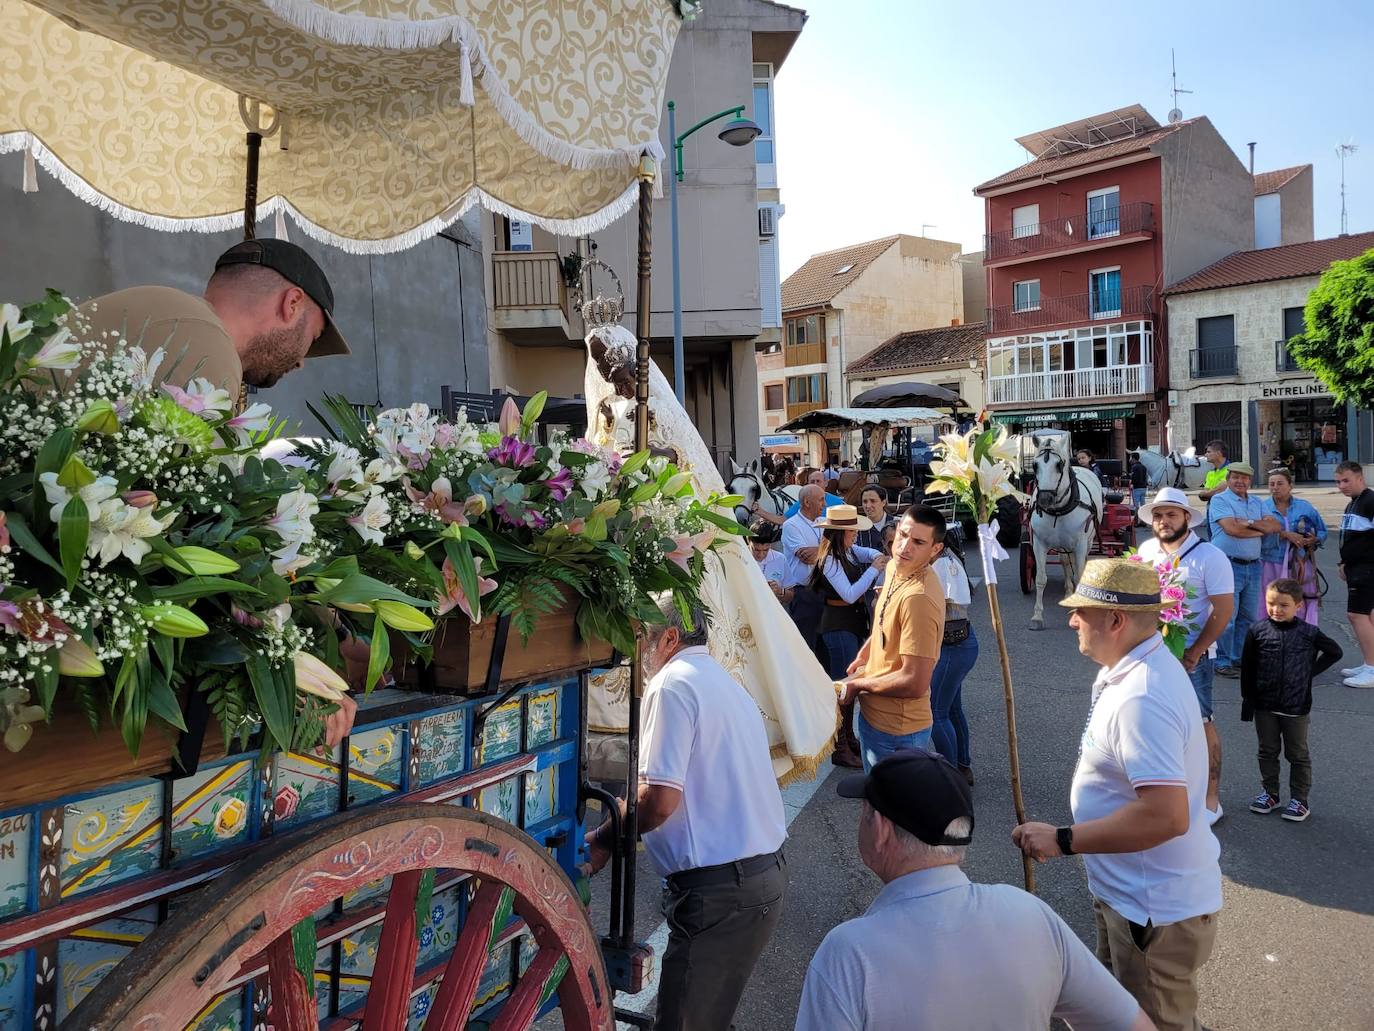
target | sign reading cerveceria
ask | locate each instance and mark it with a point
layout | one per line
(1309, 389)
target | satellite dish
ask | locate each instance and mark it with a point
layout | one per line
(1175, 115)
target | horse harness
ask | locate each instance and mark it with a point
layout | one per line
(1075, 499)
(779, 499)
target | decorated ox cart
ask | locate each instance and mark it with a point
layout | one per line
(156, 873)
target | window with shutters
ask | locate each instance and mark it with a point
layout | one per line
(1025, 220)
(1215, 354)
(772, 396)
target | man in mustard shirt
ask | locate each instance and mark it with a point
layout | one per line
(900, 654)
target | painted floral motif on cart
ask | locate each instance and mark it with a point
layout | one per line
(374, 765)
(495, 980)
(224, 1014)
(84, 958)
(16, 838)
(210, 809)
(440, 748)
(541, 795)
(440, 931)
(500, 734)
(502, 800)
(110, 838)
(305, 787)
(358, 955)
(12, 981)
(541, 720)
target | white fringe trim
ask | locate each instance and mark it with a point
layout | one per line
(361, 30)
(277, 207)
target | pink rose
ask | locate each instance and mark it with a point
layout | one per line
(285, 803)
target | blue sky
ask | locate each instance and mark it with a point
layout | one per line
(890, 111)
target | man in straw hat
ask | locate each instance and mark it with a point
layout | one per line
(1209, 609)
(1238, 526)
(991, 956)
(1139, 799)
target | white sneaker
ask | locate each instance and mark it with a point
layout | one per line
(1365, 679)
(1355, 671)
(1213, 815)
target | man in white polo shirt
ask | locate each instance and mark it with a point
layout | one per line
(1209, 610)
(1139, 799)
(800, 542)
(712, 820)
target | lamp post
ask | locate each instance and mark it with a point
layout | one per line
(738, 132)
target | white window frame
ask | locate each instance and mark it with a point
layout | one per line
(768, 137)
(1116, 313)
(1031, 228)
(1016, 305)
(1106, 191)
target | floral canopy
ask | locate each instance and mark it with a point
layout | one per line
(395, 116)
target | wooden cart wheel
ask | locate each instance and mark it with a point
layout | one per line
(245, 920)
(1027, 567)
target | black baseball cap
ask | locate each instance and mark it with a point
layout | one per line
(297, 267)
(918, 791)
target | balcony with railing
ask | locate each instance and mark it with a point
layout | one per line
(1209, 362)
(1283, 358)
(804, 354)
(1106, 227)
(1072, 384)
(1119, 303)
(796, 408)
(530, 298)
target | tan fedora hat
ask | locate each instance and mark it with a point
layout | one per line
(843, 517)
(1117, 583)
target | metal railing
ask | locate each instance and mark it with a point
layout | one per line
(1127, 302)
(1204, 362)
(528, 279)
(1283, 358)
(1073, 385)
(1070, 231)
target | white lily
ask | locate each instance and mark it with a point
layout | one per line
(1004, 448)
(346, 464)
(121, 529)
(94, 494)
(292, 523)
(370, 520)
(958, 470)
(954, 446)
(595, 477)
(142, 366)
(60, 352)
(10, 315)
(314, 677)
(994, 480)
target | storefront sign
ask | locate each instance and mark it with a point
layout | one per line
(1309, 389)
(780, 440)
(1048, 418)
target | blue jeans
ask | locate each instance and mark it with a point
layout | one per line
(1137, 497)
(1201, 676)
(837, 649)
(875, 745)
(949, 733)
(1247, 600)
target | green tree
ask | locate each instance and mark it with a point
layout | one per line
(1338, 345)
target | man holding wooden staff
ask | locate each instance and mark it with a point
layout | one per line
(1139, 799)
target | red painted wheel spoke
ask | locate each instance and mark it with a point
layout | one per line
(453, 1005)
(393, 976)
(293, 998)
(534, 988)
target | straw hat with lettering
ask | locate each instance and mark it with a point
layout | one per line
(843, 517)
(1117, 583)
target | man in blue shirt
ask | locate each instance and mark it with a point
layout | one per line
(1238, 525)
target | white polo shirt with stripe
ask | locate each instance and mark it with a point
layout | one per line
(1145, 729)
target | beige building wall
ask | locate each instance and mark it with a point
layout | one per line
(975, 287)
(771, 373)
(914, 284)
(969, 381)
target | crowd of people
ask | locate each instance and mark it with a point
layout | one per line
(884, 601)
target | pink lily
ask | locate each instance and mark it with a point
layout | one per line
(139, 498)
(684, 546)
(510, 419)
(4, 535)
(439, 501)
(454, 597)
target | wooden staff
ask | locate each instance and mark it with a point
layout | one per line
(1013, 756)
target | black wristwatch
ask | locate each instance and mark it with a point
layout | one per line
(1063, 836)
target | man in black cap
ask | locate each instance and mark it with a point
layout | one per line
(934, 950)
(267, 308)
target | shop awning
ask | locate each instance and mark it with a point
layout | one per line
(1048, 417)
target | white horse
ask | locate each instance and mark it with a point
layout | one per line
(1185, 470)
(1068, 510)
(747, 482)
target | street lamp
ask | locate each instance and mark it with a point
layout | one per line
(738, 132)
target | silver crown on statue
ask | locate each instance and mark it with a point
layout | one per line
(599, 312)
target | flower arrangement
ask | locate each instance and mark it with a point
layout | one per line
(1176, 622)
(977, 468)
(147, 549)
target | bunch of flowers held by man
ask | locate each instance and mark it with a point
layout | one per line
(491, 519)
(147, 550)
(1176, 624)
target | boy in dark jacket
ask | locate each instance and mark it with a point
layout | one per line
(1282, 655)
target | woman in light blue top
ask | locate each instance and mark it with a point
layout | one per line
(1291, 553)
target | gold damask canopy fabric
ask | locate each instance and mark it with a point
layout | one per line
(397, 115)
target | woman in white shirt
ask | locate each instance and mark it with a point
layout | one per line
(842, 577)
(959, 652)
(762, 536)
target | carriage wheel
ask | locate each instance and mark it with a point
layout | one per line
(257, 914)
(1027, 567)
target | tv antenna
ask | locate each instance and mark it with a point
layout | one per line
(1342, 149)
(927, 225)
(1175, 115)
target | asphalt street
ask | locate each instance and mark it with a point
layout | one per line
(1295, 947)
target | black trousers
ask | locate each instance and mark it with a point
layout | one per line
(805, 609)
(716, 934)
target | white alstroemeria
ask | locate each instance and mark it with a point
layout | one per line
(595, 477)
(278, 616)
(60, 352)
(142, 367)
(292, 523)
(10, 316)
(121, 529)
(387, 434)
(346, 464)
(201, 397)
(94, 494)
(253, 419)
(380, 471)
(234, 463)
(370, 520)
(287, 560)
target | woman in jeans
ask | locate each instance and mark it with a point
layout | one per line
(842, 577)
(949, 733)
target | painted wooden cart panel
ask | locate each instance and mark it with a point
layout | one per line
(84, 879)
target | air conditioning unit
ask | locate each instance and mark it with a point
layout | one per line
(768, 221)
